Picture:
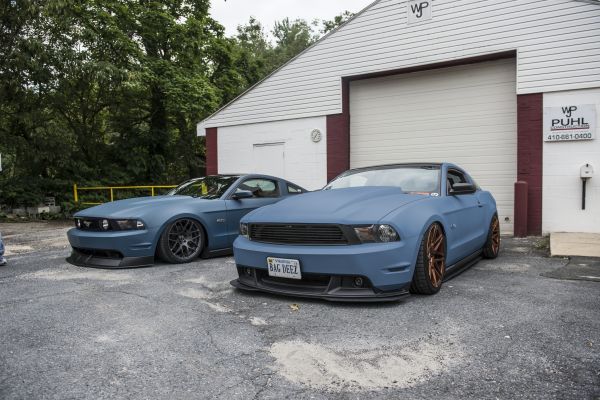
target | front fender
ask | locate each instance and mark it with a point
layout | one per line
(214, 238)
(412, 221)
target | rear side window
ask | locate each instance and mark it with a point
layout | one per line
(261, 187)
(293, 189)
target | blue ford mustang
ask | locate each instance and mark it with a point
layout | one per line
(374, 233)
(200, 217)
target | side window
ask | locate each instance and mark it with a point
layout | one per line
(261, 187)
(455, 177)
(293, 189)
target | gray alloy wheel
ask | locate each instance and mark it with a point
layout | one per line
(181, 241)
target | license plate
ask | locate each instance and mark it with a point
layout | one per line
(284, 268)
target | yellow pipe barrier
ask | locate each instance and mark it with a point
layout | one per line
(112, 189)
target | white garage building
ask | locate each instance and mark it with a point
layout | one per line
(508, 89)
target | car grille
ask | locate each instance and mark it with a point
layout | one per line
(303, 234)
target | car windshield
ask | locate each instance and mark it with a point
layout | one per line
(411, 179)
(210, 187)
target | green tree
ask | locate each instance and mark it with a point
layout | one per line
(255, 52)
(291, 38)
(105, 91)
(330, 25)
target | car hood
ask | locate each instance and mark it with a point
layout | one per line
(360, 205)
(136, 207)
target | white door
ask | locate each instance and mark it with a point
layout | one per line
(269, 159)
(466, 115)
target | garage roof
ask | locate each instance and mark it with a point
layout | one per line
(557, 46)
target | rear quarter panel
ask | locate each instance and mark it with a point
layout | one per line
(489, 202)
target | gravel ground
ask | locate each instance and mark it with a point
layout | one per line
(499, 330)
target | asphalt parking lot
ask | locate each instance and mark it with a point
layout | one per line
(521, 326)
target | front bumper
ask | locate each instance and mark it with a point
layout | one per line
(329, 271)
(334, 289)
(111, 249)
(104, 259)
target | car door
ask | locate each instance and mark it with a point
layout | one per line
(464, 214)
(265, 191)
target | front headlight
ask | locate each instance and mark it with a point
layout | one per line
(128, 224)
(386, 233)
(244, 230)
(376, 233)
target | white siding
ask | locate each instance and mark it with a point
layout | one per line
(557, 42)
(466, 115)
(562, 186)
(305, 162)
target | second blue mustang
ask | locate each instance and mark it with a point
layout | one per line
(374, 233)
(201, 216)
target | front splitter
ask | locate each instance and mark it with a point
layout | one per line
(338, 297)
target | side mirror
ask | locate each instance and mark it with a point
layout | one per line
(242, 194)
(462, 188)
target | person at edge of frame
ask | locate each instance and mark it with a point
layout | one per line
(2, 259)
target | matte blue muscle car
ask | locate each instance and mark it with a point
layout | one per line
(200, 217)
(374, 233)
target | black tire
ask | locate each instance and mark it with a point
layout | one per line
(432, 254)
(492, 243)
(181, 241)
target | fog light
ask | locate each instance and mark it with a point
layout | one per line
(105, 225)
(249, 271)
(358, 281)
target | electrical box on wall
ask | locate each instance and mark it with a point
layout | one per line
(586, 171)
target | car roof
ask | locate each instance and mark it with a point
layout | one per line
(400, 165)
(238, 176)
(220, 176)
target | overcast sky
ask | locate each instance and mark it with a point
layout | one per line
(232, 13)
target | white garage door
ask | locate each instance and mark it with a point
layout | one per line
(466, 115)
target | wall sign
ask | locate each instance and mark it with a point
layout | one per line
(569, 122)
(418, 11)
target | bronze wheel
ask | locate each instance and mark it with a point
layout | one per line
(496, 235)
(492, 244)
(431, 262)
(436, 255)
